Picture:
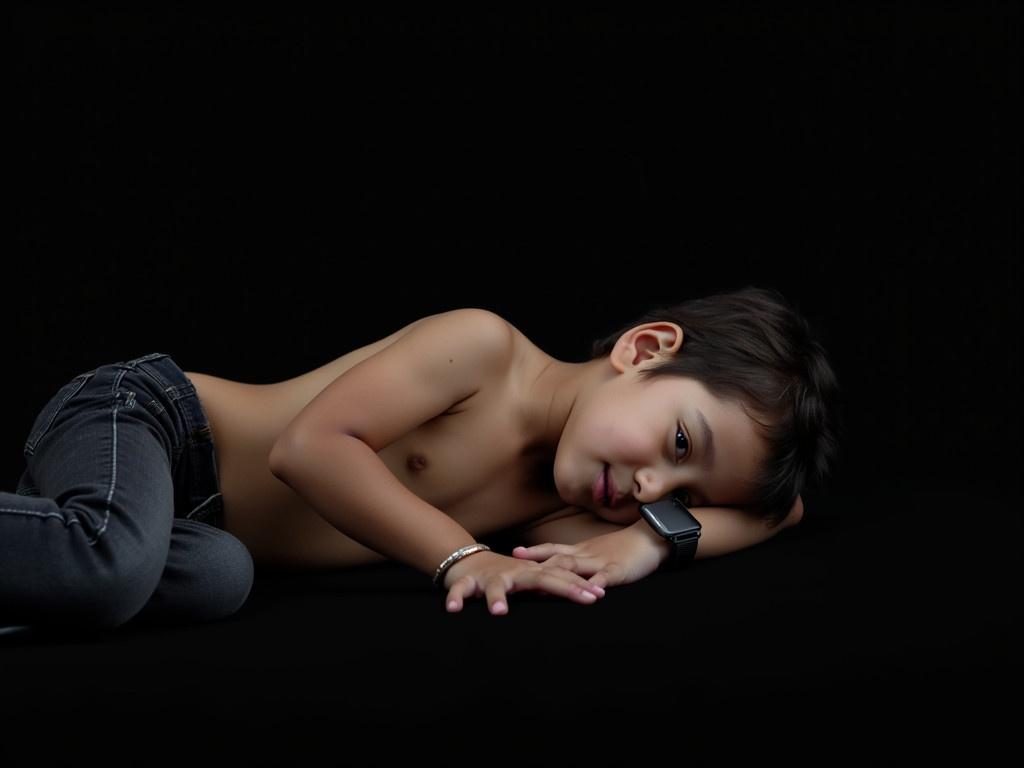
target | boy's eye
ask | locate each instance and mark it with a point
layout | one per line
(682, 494)
(681, 434)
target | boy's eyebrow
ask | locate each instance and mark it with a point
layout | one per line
(707, 439)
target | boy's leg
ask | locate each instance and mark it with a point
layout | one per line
(208, 576)
(90, 548)
(26, 487)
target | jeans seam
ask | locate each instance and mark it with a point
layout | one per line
(174, 391)
(130, 403)
(12, 510)
(203, 506)
(113, 460)
(172, 394)
(67, 523)
(161, 385)
(31, 444)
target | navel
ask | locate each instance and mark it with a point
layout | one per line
(417, 462)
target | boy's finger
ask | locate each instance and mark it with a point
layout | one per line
(525, 553)
(566, 586)
(456, 595)
(542, 551)
(583, 584)
(599, 580)
(495, 597)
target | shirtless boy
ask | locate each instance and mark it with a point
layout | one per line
(411, 448)
(458, 426)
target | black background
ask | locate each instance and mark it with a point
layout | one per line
(258, 192)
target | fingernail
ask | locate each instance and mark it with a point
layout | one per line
(499, 606)
(452, 605)
(589, 595)
(598, 590)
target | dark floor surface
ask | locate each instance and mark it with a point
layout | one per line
(892, 635)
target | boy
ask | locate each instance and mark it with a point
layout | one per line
(726, 401)
(454, 427)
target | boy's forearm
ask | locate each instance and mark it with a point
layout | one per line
(348, 484)
(723, 530)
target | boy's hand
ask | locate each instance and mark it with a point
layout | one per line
(619, 557)
(494, 575)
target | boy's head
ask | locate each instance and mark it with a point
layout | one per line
(745, 363)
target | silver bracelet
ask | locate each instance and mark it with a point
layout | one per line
(453, 558)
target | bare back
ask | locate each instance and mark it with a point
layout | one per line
(469, 462)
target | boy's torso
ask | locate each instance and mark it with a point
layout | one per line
(468, 462)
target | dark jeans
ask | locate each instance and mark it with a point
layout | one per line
(118, 513)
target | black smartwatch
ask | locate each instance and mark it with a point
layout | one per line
(671, 519)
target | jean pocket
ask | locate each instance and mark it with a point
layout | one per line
(52, 409)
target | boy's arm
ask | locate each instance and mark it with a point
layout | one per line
(570, 525)
(328, 454)
(723, 529)
(627, 553)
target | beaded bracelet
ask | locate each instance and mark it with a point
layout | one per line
(453, 558)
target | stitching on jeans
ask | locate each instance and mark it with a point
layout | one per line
(113, 464)
(43, 514)
(158, 380)
(31, 444)
(173, 391)
(204, 506)
(113, 478)
(155, 404)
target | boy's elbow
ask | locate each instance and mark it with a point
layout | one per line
(281, 453)
(275, 461)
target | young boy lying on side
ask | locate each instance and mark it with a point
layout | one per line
(460, 427)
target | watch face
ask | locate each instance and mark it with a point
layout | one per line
(669, 516)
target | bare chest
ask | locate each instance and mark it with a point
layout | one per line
(467, 462)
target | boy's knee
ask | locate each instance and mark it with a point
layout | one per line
(223, 585)
(113, 600)
(211, 579)
(232, 583)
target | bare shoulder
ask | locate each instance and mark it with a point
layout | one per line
(482, 334)
(440, 361)
(480, 323)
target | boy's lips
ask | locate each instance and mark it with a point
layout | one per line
(605, 483)
(598, 489)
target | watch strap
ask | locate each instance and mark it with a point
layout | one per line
(684, 547)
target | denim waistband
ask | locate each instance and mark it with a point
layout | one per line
(197, 494)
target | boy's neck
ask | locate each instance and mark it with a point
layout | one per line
(550, 390)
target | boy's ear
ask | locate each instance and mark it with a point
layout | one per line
(645, 344)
